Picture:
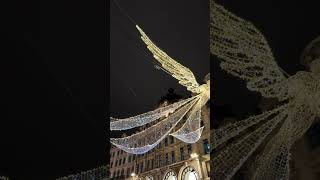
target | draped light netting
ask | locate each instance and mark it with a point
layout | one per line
(190, 108)
(245, 53)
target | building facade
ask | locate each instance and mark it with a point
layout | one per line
(172, 159)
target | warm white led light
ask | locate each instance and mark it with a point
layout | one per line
(245, 53)
(190, 131)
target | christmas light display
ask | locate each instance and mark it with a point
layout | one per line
(190, 108)
(245, 53)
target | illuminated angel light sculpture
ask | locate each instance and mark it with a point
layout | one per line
(190, 108)
(245, 53)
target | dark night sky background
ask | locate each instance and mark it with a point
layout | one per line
(53, 82)
(179, 27)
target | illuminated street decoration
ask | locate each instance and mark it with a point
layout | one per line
(245, 53)
(190, 108)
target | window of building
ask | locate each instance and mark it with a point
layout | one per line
(116, 163)
(206, 146)
(134, 157)
(181, 154)
(173, 160)
(119, 162)
(118, 153)
(166, 142)
(189, 173)
(111, 164)
(118, 174)
(122, 172)
(152, 161)
(124, 160)
(141, 167)
(189, 148)
(128, 172)
(202, 124)
(170, 176)
(167, 158)
(171, 139)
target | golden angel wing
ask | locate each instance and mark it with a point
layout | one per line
(178, 71)
(245, 53)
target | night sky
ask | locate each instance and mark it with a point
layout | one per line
(288, 27)
(53, 82)
(180, 28)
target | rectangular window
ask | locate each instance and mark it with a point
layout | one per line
(111, 164)
(189, 148)
(141, 167)
(171, 139)
(181, 154)
(128, 172)
(124, 160)
(167, 158)
(116, 163)
(172, 157)
(152, 161)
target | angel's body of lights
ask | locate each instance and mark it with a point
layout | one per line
(245, 53)
(190, 108)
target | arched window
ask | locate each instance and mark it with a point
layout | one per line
(149, 178)
(189, 173)
(170, 176)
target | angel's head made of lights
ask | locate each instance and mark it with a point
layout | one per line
(311, 56)
(315, 66)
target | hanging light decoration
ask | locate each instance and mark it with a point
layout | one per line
(190, 108)
(245, 53)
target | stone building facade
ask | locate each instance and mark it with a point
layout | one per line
(172, 159)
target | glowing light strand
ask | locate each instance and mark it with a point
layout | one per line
(190, 131)
(245, 53)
